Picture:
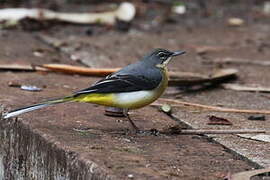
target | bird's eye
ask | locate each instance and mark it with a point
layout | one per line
(162, 55)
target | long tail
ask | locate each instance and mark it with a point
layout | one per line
(19, 111)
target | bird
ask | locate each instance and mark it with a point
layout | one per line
(132, 87)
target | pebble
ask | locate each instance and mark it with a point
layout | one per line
(130, 176)
(235, 22)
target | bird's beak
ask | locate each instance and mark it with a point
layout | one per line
(177, 53)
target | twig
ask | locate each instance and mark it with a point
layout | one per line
(239, 87)
(187, 75)
(19, 67)
(211, 131)
(125, 12)
(69, 69)
(178, 103)
(246, 175)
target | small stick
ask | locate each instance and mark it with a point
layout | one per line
(19, 67)
(247, 175)
(210, 131)
(239, 87)
(69, 69)
(186, 75)
(125, 12)
(212, 108)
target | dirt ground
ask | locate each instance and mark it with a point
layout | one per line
(108, 141)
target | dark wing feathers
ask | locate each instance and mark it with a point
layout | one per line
(121, 83)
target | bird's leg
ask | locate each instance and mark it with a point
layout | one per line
(125, 111)
(137, 130)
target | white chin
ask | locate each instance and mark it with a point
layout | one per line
(167, 61)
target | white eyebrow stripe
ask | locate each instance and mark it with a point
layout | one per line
(161, 53)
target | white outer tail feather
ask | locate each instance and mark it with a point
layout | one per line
(17, 112)
(24, 110)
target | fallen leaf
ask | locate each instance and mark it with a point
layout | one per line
(214, 120)
(257, 118)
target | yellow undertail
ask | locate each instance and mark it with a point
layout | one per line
(101, 99)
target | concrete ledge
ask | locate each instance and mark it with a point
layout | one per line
(27, 154)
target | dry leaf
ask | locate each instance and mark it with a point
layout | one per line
(214, 120)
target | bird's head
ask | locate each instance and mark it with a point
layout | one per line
(161, 57)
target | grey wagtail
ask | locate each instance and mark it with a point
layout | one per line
(132, 87)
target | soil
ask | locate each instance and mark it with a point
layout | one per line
(108, 141)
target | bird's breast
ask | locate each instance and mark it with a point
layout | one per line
(138, 99)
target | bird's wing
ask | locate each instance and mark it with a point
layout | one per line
(120, 83)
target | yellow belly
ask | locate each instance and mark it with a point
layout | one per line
(129, 100)
(134, 100)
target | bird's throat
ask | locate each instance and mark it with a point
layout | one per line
(164, 64)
